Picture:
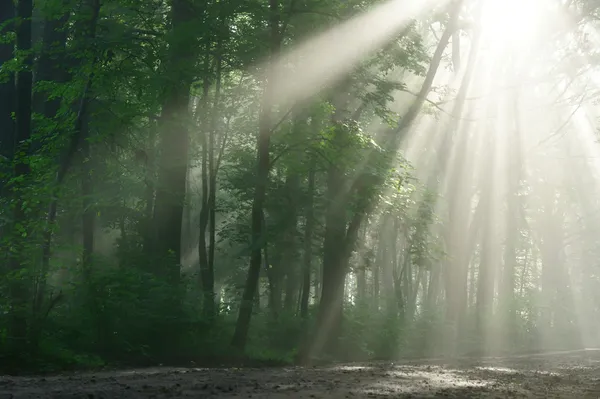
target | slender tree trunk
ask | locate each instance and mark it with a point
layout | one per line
(456, 271)
(392, 282)
(275, 283)
(209, 182)
(213, 165)
(408, 119)
(550, 251)
(77, 138)
(308, 233)
(88, 216)
(174, 143)
(413, 111)
(149, 190)
(329, 317)
(205, 281)
(507, 291)
(361, 272)
(376, 282)
(339, 243)
(7, 91)
(291, 265)
(18, 285)
(7, 107)
(412, 302)
(488, 263)
(433, 288)
(262, 178)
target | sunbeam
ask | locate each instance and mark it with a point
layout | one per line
(279, 182)
(320, 61)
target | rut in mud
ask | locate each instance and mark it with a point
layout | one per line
(571, 374)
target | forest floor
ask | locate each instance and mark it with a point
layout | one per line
(568, 374)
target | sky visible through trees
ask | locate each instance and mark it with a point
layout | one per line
(296, 181)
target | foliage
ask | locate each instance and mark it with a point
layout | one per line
(134, 99)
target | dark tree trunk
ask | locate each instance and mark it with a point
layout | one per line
(275, 276)
(206, 274)
(213, 168)
(149, 188)
(18, 286)
(329, 317)
(308, 233)
(77, 138)
(87, 192)
(7, 93)
(340, 239)
(376, 283)
(455, 281)
(262, 178)
(507, 289)
(174, 143)
(488, 263)
(361, 273)
(290, 257)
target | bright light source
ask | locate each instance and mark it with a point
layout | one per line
(512, 22)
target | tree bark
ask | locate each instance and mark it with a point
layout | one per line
(507, 290)
(308, 233)
(488, 263)
(262, 177)
(205, 280)
(7, 93)
(291, 265)
(174, 143)
(459, 193)
(18, 285)
(77, 138)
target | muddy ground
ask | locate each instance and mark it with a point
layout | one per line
(572, 374)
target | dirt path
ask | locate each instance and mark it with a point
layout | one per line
(572, 374)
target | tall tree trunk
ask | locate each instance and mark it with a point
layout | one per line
(50, 67)
(88, 216)
(18, 285)
(308, 233)
(213, 166)
(459, 192)
(329, 317)
(149, 157)
(275, 276)
(361, 272)
(262, 179)
(7, 107)
(205, 280)
(403, 129)
(552, 260)
(507, 290)
(412, 301)
(75, 142)
(174, 142)
(209, 189)
(409, 117)
(375, 272)
(340, 240)
(488, 262)
(7, 89)
(392, 284)
(291, 265)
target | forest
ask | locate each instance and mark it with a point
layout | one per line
(296, 182)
